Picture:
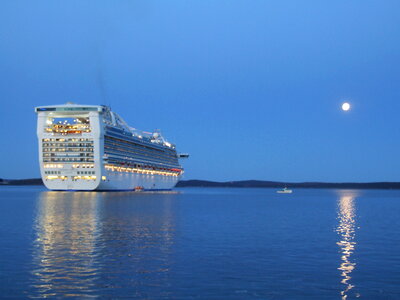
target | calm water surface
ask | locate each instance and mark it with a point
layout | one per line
(200, 244)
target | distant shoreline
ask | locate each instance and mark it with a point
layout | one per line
(247, 184)
(30, 181)
(278, 184)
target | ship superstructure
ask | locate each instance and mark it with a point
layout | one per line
(90, 147)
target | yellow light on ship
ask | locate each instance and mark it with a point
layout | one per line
(346, 106)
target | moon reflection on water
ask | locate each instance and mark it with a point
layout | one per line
(347, 230)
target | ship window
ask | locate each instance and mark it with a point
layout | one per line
(66, 126)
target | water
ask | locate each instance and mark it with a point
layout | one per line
(200, 244)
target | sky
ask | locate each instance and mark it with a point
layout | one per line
(250, 89)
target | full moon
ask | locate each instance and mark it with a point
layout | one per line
(346, 106)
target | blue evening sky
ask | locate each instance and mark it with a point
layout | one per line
(251, 89)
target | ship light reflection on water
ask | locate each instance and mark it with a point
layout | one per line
(347, 230)
(67, 231)
(95, 244)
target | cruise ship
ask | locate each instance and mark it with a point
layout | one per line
(90, 147)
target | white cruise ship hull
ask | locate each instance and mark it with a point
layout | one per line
(117, 181)
(128, 181)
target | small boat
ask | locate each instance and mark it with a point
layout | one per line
(138, 189)
(285, 190)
